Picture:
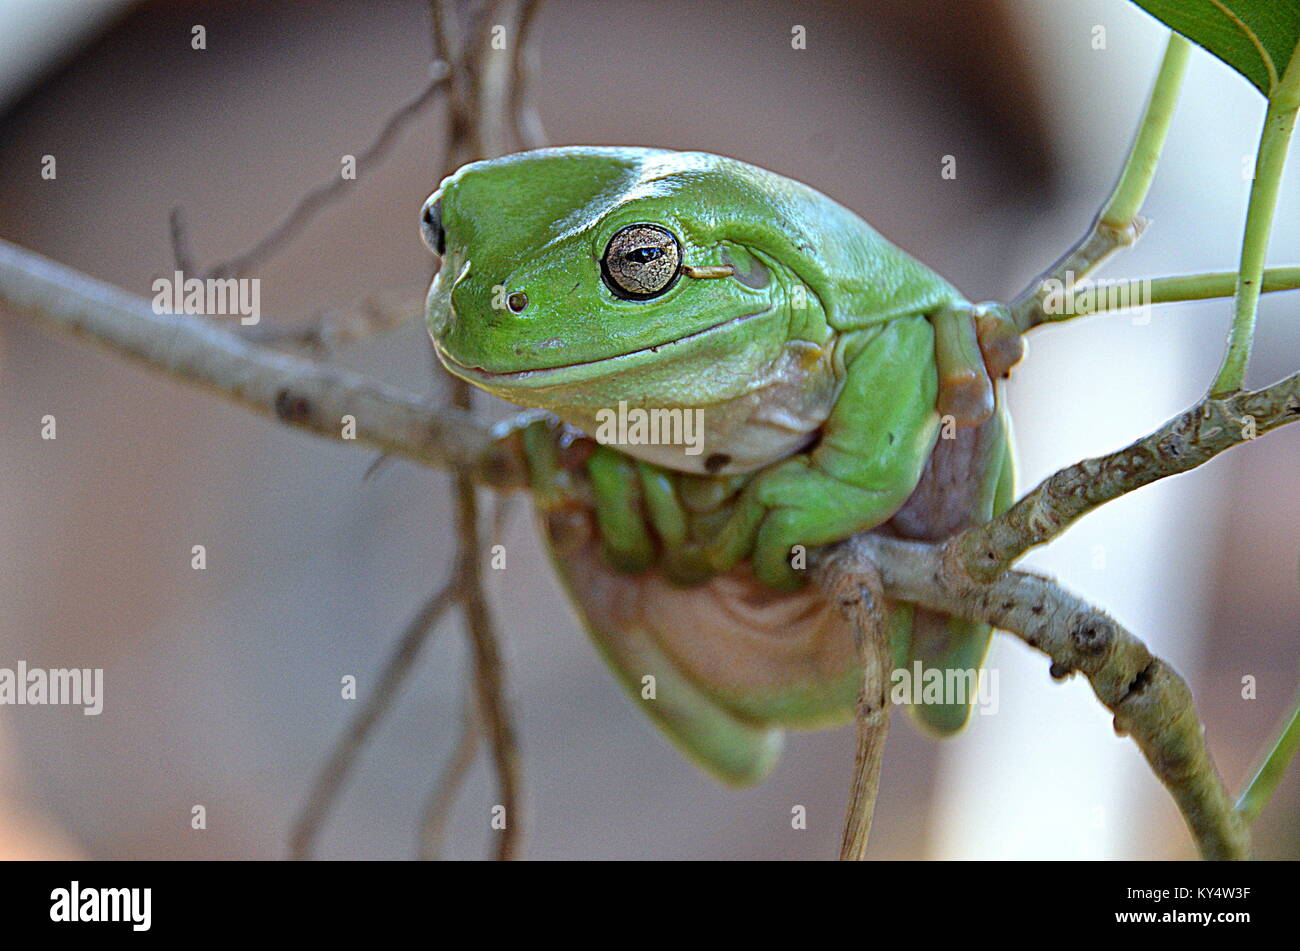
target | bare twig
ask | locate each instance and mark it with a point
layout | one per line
(1148, 698)
(489, 667)
(526, 122)
(337, 327)
(490, 71)
(464, 120)
(329, 783)
(1185, 442)
(182, 252)
(856, 588)
(324, 194)
(437, 811)
(478, 88)
(1101, 241)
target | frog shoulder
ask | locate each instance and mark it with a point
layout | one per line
(868, 280)
(859, 277)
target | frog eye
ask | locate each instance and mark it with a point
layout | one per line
(431, 227)
(641, 261)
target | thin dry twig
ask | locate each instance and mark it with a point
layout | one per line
(337, 327)
(329, 783)
(477, 86)
(320, 197)
(489, 666)
(438, 808)
(527, 124)
(1028, 308)
(1118, 224)
(857, 590)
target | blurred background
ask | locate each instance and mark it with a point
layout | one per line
(222, 686)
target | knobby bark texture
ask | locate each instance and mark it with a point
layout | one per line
(854, 585)
(1150, 701)
(1190, 439)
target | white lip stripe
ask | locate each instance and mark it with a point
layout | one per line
(520, 376)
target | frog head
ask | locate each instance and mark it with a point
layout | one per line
(576, 277)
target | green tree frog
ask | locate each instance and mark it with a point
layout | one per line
(801, 379)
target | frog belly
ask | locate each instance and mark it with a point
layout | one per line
(721, 667)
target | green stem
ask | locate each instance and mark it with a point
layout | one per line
(1118, 224)
(1167, 290)
(1279, 122)
(1134, 182)
(1272, 770)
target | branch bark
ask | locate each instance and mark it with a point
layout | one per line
(856, 588)
(1150, 701)
(1118, 225)
(297, 392)
(1190, 439)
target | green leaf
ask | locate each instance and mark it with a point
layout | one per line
(1254, 37)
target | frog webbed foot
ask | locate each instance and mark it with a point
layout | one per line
(639, 510)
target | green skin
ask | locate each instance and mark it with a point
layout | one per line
(816, 352)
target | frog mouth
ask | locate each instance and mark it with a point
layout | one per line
(575, 372)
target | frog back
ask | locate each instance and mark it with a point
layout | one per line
(857, 276)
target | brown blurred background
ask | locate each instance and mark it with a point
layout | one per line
(222, 685)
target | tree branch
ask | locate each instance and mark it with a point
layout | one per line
(489, 671)
(335, 327)
(295, 391)
(1188, 440)
(526, 123)
(438, 808)
(1150, 701)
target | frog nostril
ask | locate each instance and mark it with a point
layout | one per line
(517, 302)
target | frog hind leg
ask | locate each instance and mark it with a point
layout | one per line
(968, 480)
(611, 606)
(616, 609)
